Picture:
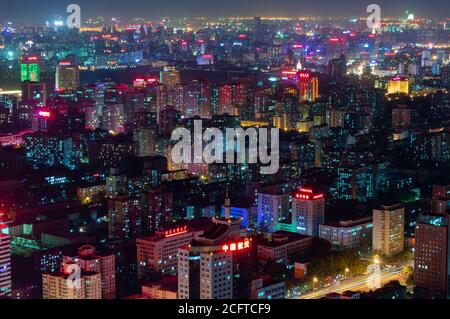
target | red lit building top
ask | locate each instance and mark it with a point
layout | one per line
(308, 194)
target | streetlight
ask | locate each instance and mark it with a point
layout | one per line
(314, 281)
(346, 271)
(376, 260)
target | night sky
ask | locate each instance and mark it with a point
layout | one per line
(40, 10)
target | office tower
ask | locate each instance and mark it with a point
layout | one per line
(146, 137)
(29, 68)
(308, 86)
(170, 77)
(177, 97)
(401, 118)
(257, 28)
(308, 211)
(337, 69)
(96, 92)
(132, 102)
(159, 252)
(388, 229)
(56, 286)
(334, 48)
(158, 209)
(215, 268)
(162, 97)
(431, 256)
(125, 217)
(90, 115)
(90, 261)
(398, 85)
(225, 99)
(67, 77)
(273, 208)
(113, 119)
(426, 58)
(34, 91)
(335, 118)
(5, 265)
(168, 119)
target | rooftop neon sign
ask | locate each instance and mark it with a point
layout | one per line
(176, 232)
(236, 246)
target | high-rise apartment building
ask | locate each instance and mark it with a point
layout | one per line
(5, 265)
(57, 286)
(388, 229)
(89, 260)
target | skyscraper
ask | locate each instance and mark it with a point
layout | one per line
(398, 85)
(431, 255)
(29, 68)
(158, 209)
(308, 86)
(273, 208)
(308, 211)
(67, 76)
(388, 229)
(217, 265)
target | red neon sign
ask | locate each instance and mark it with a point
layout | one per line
(32, 58)
(308, 194)
(334, 40)
(44, 114)
(150, 79)
(175, 232)
(236, 246)
(304, 75)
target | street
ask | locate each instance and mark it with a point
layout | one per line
(358, 283)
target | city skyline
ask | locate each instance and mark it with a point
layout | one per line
(252, 158)
(34, 11)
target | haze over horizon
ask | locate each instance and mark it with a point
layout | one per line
(36, 11)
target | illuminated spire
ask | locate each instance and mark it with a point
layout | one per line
(299, 65)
